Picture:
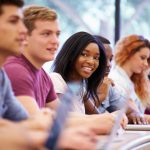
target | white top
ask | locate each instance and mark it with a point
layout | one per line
(60, 87)
(125, 86)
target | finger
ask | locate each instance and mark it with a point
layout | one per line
(138, 119)
(143, 120)
(134, 120)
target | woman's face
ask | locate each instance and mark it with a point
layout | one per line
(139, 61)
(87, 62)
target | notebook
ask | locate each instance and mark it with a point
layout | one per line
(61, 115)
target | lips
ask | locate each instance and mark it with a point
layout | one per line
(88, 70)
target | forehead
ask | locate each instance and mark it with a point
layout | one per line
(144, 51)
(92, 48)
(10, 10)
(47, 25)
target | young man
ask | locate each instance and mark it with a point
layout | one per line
(31, 84)
(12, 33)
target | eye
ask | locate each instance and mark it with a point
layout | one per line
(84, 54)
(13, 21)
(96, 57)
(46, 34)
(143, 57)
(58, 34)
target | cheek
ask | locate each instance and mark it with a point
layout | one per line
(96, 65)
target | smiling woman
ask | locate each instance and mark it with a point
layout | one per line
(80, 59)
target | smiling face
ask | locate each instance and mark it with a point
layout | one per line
(87, 62)
(12, 30)
(139, 61)
(43, 42)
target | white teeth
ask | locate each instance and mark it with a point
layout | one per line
(87, 69)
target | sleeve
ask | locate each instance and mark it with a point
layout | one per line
(59, 84)
(15, 110)
(121, 85)
(116, 100)
(21, 80)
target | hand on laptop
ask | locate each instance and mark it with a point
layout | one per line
(137, 118)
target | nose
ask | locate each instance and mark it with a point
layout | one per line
(22, 28)
(108, 64)
(146, 65)
(90, 60)
(55, 39)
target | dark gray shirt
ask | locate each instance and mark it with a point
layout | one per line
(10, 108)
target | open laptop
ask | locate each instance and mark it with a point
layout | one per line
(61, 116)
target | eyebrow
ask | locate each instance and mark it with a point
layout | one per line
(86, 50)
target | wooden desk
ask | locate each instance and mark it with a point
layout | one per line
(130, 140)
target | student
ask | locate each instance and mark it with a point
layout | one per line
(31, 84)
(13, 136)
(109, 98)
(132, 55)
(10, 24)
(82, 59)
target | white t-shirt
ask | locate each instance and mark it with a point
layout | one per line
(60, 87)
(125, 86)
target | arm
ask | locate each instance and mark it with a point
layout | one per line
(100, 123)
(29, 103)
(53, 105)
(14, 110)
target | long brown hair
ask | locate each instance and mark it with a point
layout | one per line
(125, 49)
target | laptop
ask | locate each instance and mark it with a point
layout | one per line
(61, 116)
(138, 127)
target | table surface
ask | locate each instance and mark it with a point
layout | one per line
(125, 140)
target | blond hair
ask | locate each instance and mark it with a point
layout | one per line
(34, 13)
(124, 50)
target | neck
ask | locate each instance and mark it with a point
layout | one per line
(127, 69)
(35, 62)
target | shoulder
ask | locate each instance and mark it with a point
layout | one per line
(14, 65)
(59, 83)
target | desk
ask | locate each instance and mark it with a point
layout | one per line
(130, 140)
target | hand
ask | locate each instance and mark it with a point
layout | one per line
(104, 123)
(137, 118)
(40, 121)
(104, 88)
(124, 119)
(77, 138)
(13, 136)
